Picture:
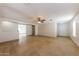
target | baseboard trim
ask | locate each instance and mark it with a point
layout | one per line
(74, 42)
(10, 41)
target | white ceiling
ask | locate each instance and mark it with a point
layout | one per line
(59, 12)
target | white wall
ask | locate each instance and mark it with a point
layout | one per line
(73, 37)
(29, 29)
(8, 31)
(36, 29)
(77, 33)
(47, 29)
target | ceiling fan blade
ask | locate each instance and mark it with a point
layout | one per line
(38, 19)
(43, 20)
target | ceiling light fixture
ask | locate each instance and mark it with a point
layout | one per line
(40, 19)
(39, 22)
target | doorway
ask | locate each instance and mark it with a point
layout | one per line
(33, 30)
(63, 29)
(28, 30)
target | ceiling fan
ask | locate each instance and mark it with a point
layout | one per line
(40, 19)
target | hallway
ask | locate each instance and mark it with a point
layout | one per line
(40, 46)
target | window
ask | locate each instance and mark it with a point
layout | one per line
(22, 29)
(74, 28)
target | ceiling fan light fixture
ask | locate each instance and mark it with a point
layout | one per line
(39, 22)
(40, 19)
